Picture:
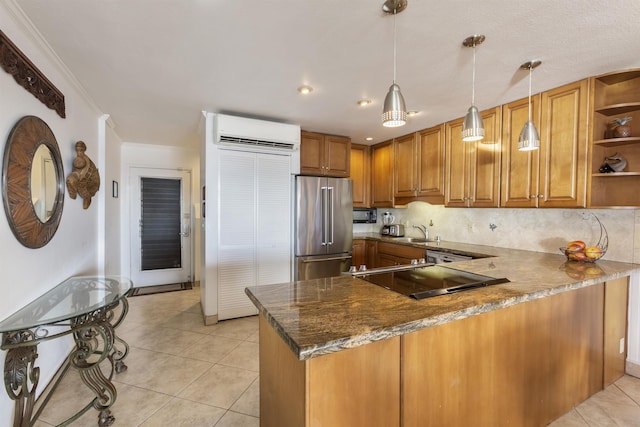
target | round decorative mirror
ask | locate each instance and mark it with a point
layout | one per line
(32, 182)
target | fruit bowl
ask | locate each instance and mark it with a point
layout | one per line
(588, 254)
(577, 250)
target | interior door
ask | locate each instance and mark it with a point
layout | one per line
(160, 227)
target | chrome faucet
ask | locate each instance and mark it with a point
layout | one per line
(424, 230)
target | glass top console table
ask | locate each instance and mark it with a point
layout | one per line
(87, 307)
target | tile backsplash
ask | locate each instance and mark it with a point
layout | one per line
(540, 230)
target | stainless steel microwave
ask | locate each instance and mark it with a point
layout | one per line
(365, 215)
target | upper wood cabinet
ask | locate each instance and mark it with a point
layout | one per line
(361, 175)
(555, 175)
(324, 155)
(520, 169)
(472, 173)
(382, 175)
(564, 146)
(419, 167)
(616, 95)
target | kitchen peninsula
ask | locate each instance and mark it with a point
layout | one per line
(342, 351)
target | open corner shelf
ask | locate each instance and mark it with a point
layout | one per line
(617, 109)
(613, 142)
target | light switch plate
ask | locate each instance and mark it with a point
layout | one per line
(621, 345)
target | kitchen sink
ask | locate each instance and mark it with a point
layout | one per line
(417, 240)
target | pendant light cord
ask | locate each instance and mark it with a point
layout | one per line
(530, 71)
(473, 79)
(394, 45)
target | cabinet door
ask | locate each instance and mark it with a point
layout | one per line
(484, 183)
(337, 154)
(404, 171)
(519, 168)
(563, 146)
(358, 255)
(372, 253)
(457, 166)
(311, 153)
(360, 175)
(382, 175)
(431, 161)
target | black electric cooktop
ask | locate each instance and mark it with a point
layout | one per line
(429, 281)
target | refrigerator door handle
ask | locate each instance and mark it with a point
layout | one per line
(330, 212)
(326, 259)
(323, 209)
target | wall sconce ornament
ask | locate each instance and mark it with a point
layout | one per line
(85, 178)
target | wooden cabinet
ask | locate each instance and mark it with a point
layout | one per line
(564, 146)
(382, 175)
(555, 175)
(371, 252)
(360, 174)
(473, 168)
(353, 387)
(616, 95)
(616, 296)
(389, 254)
(324, 155)
(419, 167)
(524, 365)
(359, 252)
(520, 169)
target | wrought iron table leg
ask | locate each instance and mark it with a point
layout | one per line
(94, 344)
(21, 375)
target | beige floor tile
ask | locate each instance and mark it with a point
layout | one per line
(185, 321)
(631, 387)
(167, 340)
(255, 337)
(245, 356)
(179, 412)
(240, 329)
(233, 419)
(161, 372)
(132, 405)
(570, 419)
(41, 424)
(220, 386)
(249, 402)
(211, 348)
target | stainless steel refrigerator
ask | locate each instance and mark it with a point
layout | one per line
(324, 226)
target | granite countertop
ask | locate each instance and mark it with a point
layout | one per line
(321, 316)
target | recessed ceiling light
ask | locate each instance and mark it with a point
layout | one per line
(305, 89)
(412, 113)
(368, 138)
(364, 102)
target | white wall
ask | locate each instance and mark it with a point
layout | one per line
(157, 157)
(113, 205)
(28, 273)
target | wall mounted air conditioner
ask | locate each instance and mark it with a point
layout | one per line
(241, 132)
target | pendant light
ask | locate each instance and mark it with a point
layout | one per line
(394, 113)
(529, 138)
(473, 128)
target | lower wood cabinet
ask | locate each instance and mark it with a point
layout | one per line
(523, 365)
(389, 254)
(359, 252)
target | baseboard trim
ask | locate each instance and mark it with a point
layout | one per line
(210, 320)
(633, 369)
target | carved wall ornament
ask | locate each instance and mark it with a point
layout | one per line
(27, 75)
(85, 178)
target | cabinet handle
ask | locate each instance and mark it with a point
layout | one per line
(533, 196)
(540, 196)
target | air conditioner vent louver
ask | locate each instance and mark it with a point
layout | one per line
(255, 142)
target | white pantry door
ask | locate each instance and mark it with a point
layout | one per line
(160, 234)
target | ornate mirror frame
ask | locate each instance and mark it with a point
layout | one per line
(28, 134)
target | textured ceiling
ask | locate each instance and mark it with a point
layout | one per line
(154, 65)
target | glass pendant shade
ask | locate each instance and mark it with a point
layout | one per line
(472, 127)
(394, 113)
(529, 138)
